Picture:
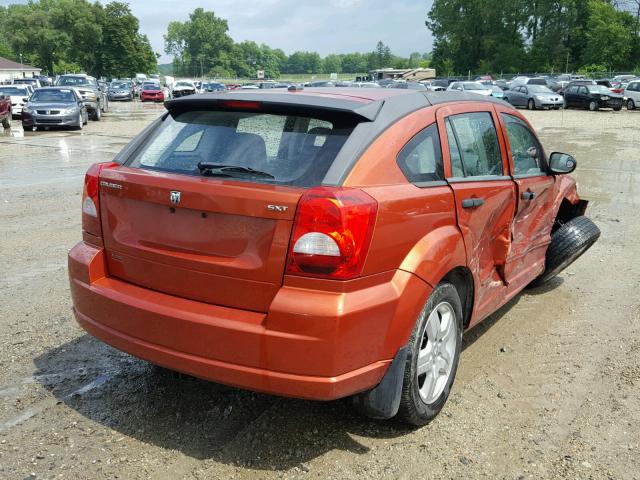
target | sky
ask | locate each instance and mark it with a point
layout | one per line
(324, 26)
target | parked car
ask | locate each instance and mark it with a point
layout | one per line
(433, 86)
(364, 85)
(6, 114)
(496, 91)
(33, 82)
(151, 92)
(533, 96)
(256, 238)
(624, 78)
(216, 87)
(471, 87)
(182, 88)
(55, 107)
(632, 95)
(503, 84)
(94, 99)
(19, 95)
(592, 97)
(121, 90)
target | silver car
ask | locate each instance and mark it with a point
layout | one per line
(533, 96)
(55, 107)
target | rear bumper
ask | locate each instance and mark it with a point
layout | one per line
(313, 344)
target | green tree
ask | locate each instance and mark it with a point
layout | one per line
(354, 63)
(124, 51)
(199, 44)
(609, 36)
(332, 64)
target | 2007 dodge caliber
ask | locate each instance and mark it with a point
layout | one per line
(322, 243)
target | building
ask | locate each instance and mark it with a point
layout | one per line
(10, 70)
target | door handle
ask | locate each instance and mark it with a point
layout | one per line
(528, 195)
(472, 202)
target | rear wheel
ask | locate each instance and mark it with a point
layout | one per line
(6, 123)
(80, 122)
(568, 243)
(617, 109)
(630, 104)
(97, 114)
(531, 105)
(593, 106)
(432, 359)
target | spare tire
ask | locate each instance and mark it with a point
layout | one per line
(568, 243)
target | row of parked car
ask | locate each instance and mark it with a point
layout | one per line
(72, 101)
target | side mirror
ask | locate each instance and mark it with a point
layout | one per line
(562, 163)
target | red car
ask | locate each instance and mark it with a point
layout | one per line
(151, 93)
(322, 243)
(5, 110)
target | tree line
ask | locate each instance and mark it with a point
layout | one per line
(201, 46)
(62, 36)
(491, 36)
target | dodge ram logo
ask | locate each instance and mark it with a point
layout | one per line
(174, 197)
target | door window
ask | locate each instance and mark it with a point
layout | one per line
(525, 148)
(582, 90)
(477, 144)
(421, 159)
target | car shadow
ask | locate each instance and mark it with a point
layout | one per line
(201, 419)
(205, 420)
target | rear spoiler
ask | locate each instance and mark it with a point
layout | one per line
(275, 102)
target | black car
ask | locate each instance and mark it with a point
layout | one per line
(592, 97)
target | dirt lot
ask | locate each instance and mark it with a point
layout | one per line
(547, 388)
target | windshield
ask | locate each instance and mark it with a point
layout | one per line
(538, 89)
(73, 81)
(293, 150)
(184, 84)
(473, 86)
(120, 85)
(14, 91)
(598, 89)
(150, 86)
(53, 96)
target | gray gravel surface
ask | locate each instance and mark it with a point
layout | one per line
(548, 387)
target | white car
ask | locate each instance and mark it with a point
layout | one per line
(471, 87)
(19, 96)
(182, 88)
(632, 95)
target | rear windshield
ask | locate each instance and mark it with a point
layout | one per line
(73, 81)
(13, 91)
(294, 150)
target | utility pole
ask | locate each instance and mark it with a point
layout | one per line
(567, 67)
(21, 67)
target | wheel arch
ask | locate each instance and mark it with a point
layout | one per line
(462, 279)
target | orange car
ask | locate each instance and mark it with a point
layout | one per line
(322, 243)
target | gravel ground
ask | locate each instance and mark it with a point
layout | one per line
(547, 387)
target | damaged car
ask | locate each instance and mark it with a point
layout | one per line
(322, 243)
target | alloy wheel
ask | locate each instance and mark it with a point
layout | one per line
(437, 352)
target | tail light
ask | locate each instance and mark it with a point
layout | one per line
(331, 233)
(91, 198)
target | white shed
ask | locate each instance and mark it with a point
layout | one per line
(10, 70)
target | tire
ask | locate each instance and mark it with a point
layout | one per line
(97, 114)
(531, 105)
(617, 109)
(593, 106)
(631, 104)
(568, 243)
(6, 123)
(80, 122)
(105, 107)
(564, 104)
(444, 303)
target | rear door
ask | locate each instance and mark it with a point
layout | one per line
(484, 193)
(571, 96)
(215, 239)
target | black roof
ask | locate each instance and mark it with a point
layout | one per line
(378, 108)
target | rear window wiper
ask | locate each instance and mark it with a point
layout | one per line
(209, 169)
